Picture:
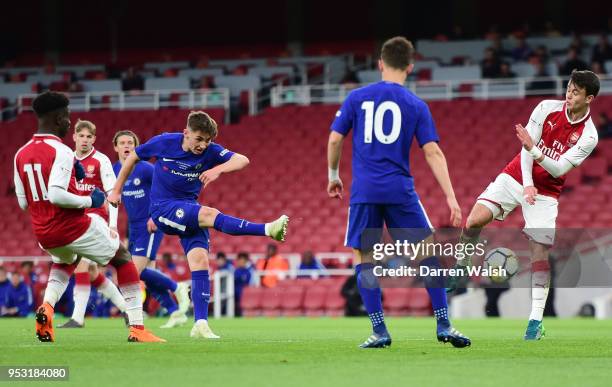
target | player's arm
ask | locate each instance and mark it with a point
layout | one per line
(59, 178)
(236, 162)
(570, 159)
(334, 152)
(19, 189)
(114, 198)
(437, 163)
(534, 128)
(108, 182)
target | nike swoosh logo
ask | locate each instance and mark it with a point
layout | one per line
(165, 159)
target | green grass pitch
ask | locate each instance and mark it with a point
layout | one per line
(319, 352)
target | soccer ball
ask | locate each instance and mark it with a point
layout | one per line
(501, 258)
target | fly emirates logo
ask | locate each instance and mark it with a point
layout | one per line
(555, 151)
(85, 187)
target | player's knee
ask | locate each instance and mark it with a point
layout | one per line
(206, 216)
(122, 256)
(478, 218)
(198, 259)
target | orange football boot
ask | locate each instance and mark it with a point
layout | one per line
(143, 336)
(44, 323)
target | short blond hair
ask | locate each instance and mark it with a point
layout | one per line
(199, 121)
(125, 133)
(84, 124)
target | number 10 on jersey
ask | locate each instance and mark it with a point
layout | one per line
(374, 122)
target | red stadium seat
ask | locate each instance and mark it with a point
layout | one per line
(250, 302)
(271, 302)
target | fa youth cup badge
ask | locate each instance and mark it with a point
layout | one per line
(136, 181)
(573, 139)
(180, 213)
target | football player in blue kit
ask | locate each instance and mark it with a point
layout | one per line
(144, 237)
(187, 162)
(385, 117)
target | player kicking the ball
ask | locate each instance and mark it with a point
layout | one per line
(385, 118)
(45, 184)
(144, 236)
(560, 135)
(185, 163)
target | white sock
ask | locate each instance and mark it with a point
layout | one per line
(111, 292)
(56, 286)
(133, 303)
(81, 297)
(539, 292)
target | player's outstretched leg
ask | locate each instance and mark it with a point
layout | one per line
(110, 291)
(540, 280)
(129, 284)
(444, 329)
(200, 293)
(371, 295)
(158, 281)
(210, 217)
(56, 286)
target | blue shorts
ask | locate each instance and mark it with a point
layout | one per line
(405, 222)
(142, 243)
(181, 218)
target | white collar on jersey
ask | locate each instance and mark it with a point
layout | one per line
(47, 135)
(586, 115)
(86, 156)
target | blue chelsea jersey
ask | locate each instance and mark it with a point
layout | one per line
(176, 174)
(137, 190)
(384, 117)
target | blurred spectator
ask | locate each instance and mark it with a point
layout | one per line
(505, 71)
(602, 51)
(309, 262)
(350, 76)
(493, 294)
(242, 278)
(522, 51)
(540, 55)
(572, 62)
(543, 87)
(27, 271)
(18, 301)
(577, 43)
(223, 264)
(272, 261)
(604, 126)
(490, 64)
(4, 285)
(493, 33)
(132, 80)
(597, 68)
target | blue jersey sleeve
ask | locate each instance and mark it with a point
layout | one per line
(151, 148)
(345, 117)
(220, 154)
(425, 129)
(147, 172)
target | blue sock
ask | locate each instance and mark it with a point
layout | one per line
(236, 226)
(156, 279)
(437, 293)
(371, 296)
(164, 298)
(200, 294)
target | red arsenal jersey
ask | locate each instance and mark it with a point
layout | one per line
(98, 174)
(42, 163)
(557, 137)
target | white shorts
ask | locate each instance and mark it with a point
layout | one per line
(96, 243)
(504, 194)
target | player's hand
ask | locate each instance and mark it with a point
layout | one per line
(97, 198)
(114, 199)
(209, 176)
(79, 171)
(335, 189)
(151, 226)
(523, 135)
(529, 193)
(455, 210)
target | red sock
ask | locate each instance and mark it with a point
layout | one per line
(81, 279)
(127, 274)
(99, 280)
